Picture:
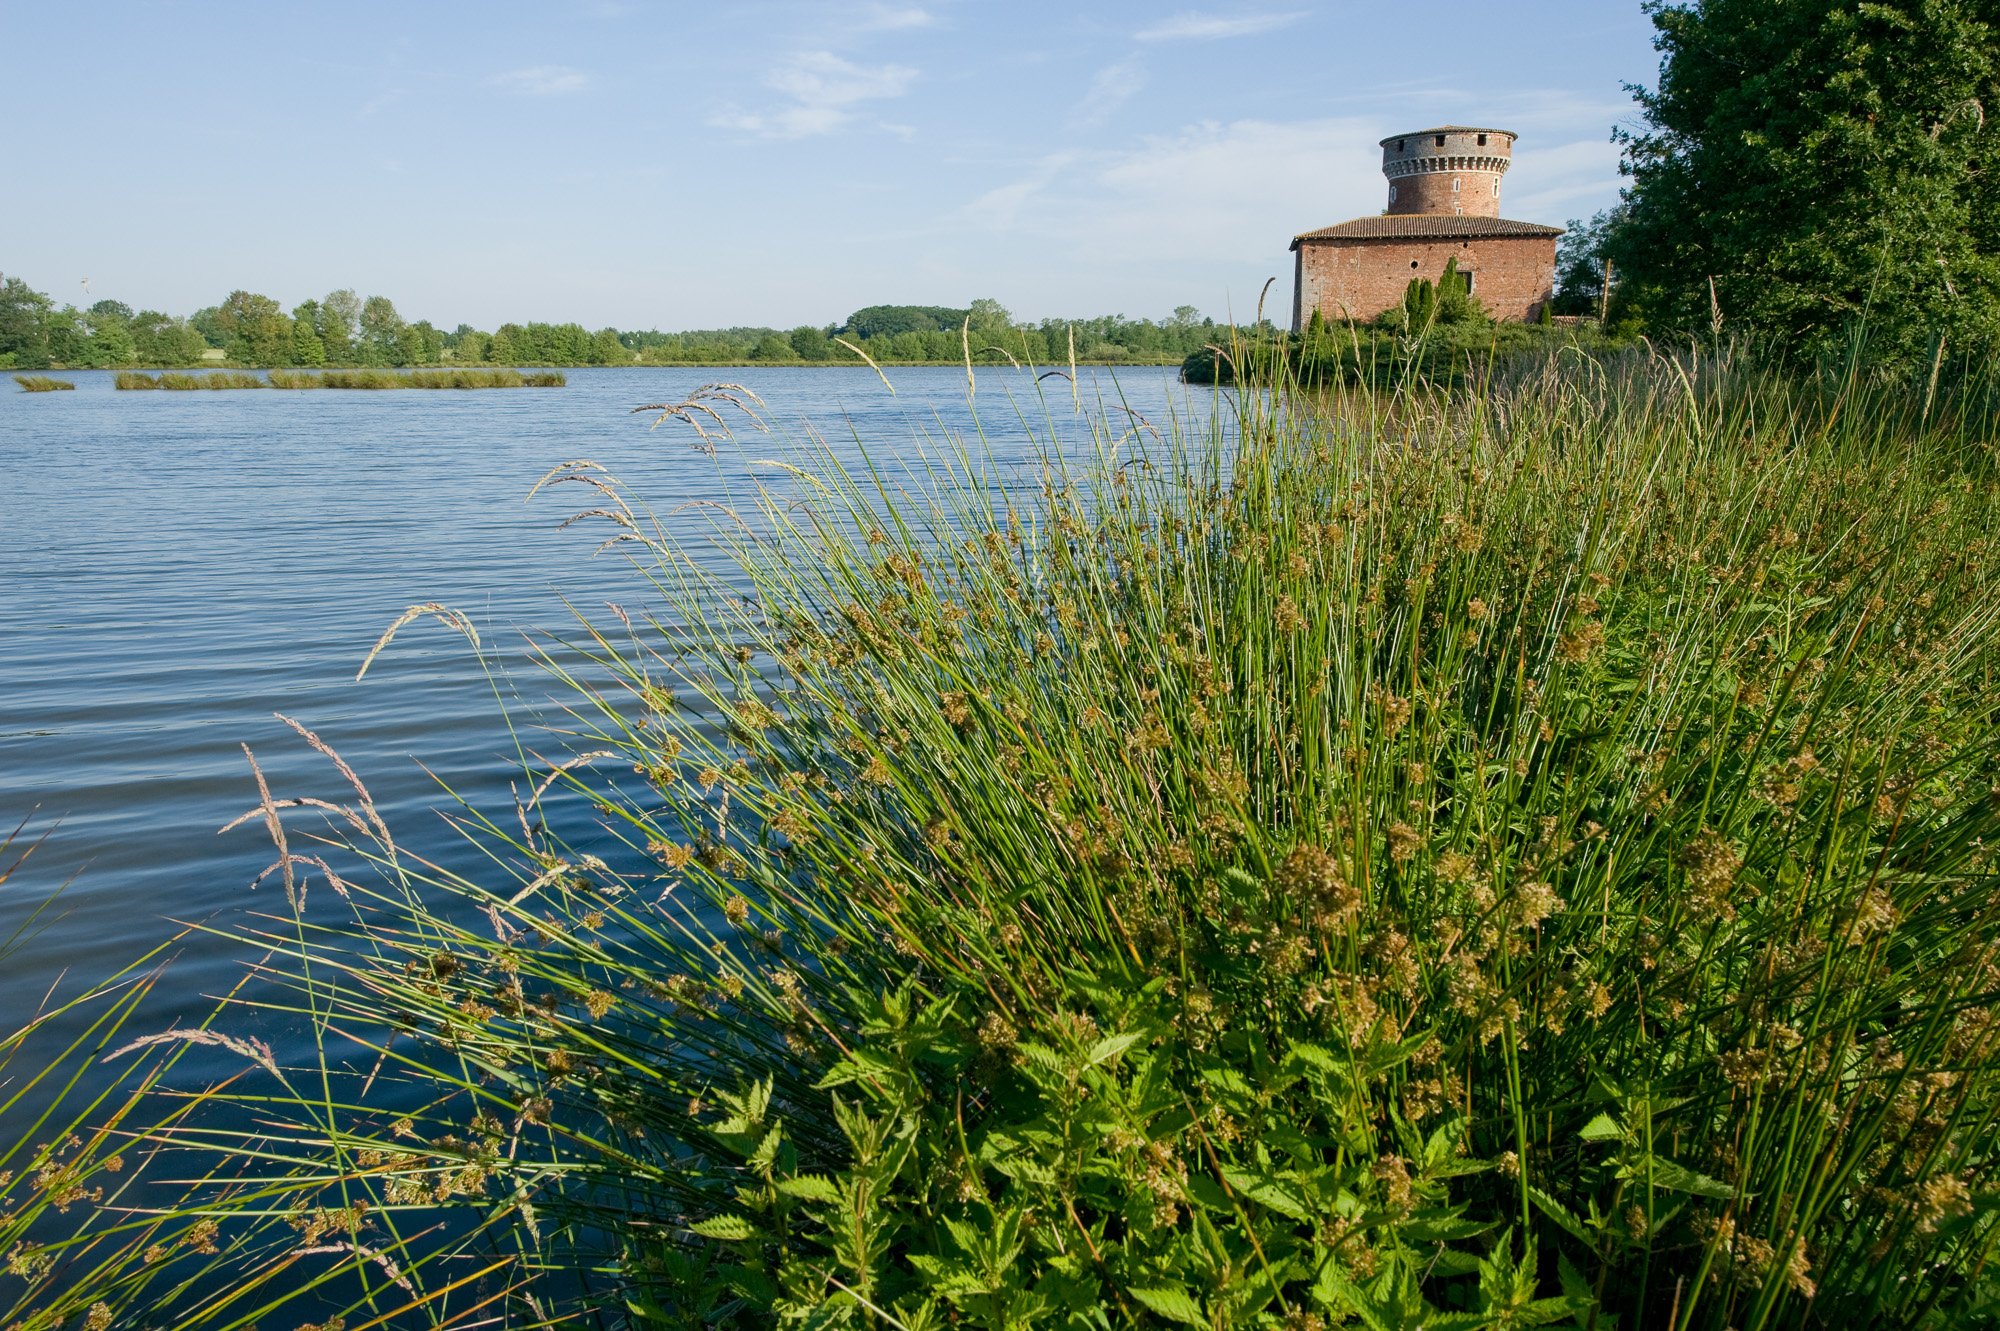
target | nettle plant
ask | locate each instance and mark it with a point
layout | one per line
(1449, 864)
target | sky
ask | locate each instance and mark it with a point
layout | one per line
(670, 165)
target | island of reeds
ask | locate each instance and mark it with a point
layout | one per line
(42, 383)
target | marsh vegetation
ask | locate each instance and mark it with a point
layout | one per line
(1471, 860)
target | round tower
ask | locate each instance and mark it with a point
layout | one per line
(1450, 169)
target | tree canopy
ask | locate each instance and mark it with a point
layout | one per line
(1826, 164)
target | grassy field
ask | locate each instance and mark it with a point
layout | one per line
(1415, 859)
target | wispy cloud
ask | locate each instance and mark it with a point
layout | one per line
(543, 80)
(1111, 89)
(1206, 27)
(824, 90)
(888, 18)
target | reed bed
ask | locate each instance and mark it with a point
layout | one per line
(385, 379)
(1461, 861)
(42, 383)
(172, 380)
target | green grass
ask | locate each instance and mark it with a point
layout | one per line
(383, 379)
(173, 380)
(41, 383)
(1412, 857)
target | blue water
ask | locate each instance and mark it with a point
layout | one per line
(176, 567)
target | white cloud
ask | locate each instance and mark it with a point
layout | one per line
(1213, 192)
(543, 80)
(824, 90)
(1204, 27)
(883, 18)
(1113, 86)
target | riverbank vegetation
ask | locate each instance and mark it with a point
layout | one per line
(41, 383)
(1470, 859)
(343, 330)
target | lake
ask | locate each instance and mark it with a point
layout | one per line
(175, 567)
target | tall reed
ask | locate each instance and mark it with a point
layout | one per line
(41, 383)
(382, 379)
(172, 379)
(1430, 859)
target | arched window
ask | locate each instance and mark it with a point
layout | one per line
(1392, 194)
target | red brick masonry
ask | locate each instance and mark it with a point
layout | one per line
(1358, 269)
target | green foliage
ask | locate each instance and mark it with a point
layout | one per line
(1404, 858)
(1826, 165)
(41, 383)
(255, 329)
(890, 320)
(772, 347)
(809, 343)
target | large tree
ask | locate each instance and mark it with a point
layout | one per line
(1827, 163)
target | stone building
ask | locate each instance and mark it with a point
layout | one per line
(1444, 201)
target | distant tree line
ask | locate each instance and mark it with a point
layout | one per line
(343, 329)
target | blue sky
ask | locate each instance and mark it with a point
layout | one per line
(679, 165)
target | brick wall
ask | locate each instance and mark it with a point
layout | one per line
(1477, 195)
(1360, 278)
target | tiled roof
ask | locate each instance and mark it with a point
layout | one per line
(1438, 225)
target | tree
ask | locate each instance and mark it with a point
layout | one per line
(990, 317)
(381, 333)
(810, 343)
(419, 344)
(889, 320)
(606, 349)
(256, 329)
(508, 346)
(1825, 163)
(339, 319)
(468, 345)
(24, 337)
(159, 339)
(1580, 256)
(1185, 317)
(773, 347)
(307, 348)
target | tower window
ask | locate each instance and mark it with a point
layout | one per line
(1413, 263)
(1467, 277)
(1482, 140)
(1399, 145)
(1440, 140)
(1392, 194)
(1454, 186)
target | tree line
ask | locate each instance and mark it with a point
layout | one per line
(343, 329)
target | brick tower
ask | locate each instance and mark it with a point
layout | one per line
(1448, 170)
(1444, 202)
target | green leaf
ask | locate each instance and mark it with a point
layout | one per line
(1268, 1191)
(1174, 1304)
(1559, 1213)
(729, 1228)
(1205, 1190)
(1679, 1178)
(1603, 1128)
(1111, 1046)
(811, 1187)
